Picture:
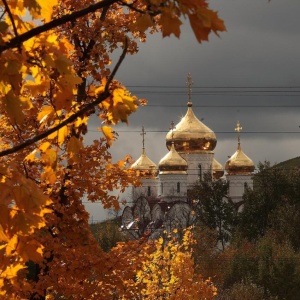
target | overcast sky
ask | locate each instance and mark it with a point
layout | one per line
(251, 74)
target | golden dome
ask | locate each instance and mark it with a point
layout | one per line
(191, 135)
(172, 163)
(144, 166)
(239, 163)
(217, 169)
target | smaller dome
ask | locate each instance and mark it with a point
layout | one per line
(144, 166)
(172, 163)
(217, 169)
(239, 163)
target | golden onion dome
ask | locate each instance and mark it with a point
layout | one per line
(217, 169)
(172, 163)
(239, 163)
(144, 166)
(191, 135)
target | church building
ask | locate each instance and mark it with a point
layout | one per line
(190, 154)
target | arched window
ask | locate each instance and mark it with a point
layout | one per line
(245, 186)
(149, 191)
(162, 188)
(178, 187)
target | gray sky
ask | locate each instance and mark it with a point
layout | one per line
(251, 73)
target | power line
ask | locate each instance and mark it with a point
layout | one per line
(223, 106)
(166, 131)
(213, 87)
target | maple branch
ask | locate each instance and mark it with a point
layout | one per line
(76, 115)
(17, 40)
(121, 58)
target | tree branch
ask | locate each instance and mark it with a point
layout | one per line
(12, 21)
(76, 115)
(16, 41)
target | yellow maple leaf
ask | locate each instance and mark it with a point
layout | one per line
(13, 108)
(44, 146)
(50, 158)
(11, 245)
(62, 133)
(109, 134)
(40, 8)
(45, 113)
(3, 236)
(73, 147)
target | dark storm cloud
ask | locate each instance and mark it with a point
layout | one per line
(260, 49)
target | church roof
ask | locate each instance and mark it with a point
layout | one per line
(172, 163)
(239, 163)
(191, 135)
(217, 169)
(145, 166)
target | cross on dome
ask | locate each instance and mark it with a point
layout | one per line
(143, 133)
(189, 84)
(172, 127)
(238, 129)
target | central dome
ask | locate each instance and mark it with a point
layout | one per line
(191, 135)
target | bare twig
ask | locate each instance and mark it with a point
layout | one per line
(113, 73)
(12, 22)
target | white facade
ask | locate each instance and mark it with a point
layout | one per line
(238, 185)
(198, 165)
(173, 187)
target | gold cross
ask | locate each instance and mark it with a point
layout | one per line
(238, 129)
(172, 128)
(143, 133)
(189, 84)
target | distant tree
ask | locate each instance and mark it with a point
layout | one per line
(213, 207)
(246, 291)
(272, 205)
(108, 234)
(267, 263)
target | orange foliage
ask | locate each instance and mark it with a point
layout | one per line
(56, 57)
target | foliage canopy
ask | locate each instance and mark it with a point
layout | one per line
(56, 73)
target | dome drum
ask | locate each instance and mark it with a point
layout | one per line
(146, 173)
(233, 169)
(192, 145)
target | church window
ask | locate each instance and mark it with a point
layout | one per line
(178, 187)
(245, 186)
(149, 191)
(162, 188)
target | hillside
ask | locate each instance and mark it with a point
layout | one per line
(290, 164)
